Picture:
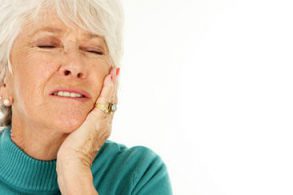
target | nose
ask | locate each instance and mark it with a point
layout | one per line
(67, 72)
(73, 65)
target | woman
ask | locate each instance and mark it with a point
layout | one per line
(59, 73)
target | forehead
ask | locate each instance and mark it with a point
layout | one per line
(47, 20)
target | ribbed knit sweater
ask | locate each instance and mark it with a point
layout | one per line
(116, 170)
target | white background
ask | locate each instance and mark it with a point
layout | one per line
(207, 84)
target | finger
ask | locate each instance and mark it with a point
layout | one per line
(104, 97)
(108, 88)
(114, 97)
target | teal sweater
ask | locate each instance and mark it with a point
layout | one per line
(116, 170)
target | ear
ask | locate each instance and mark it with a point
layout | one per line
(5, 86)
(2, 89)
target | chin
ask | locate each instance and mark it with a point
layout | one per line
(69, 125)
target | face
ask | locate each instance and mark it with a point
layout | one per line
(48, 57)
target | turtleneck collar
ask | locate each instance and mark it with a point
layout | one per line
(19, 170)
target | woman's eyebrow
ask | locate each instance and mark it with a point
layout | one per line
(59, 31)
(47, 29)
(91, 36)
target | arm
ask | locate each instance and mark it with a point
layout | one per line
(75, 179)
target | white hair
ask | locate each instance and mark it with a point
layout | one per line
(103, 17)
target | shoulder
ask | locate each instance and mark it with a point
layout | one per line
(140, 165)
(4, 132)
(135, 154)
(3, 128)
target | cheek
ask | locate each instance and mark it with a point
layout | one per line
(28, 87)
(31, 77)
(35, 71)
(100, 72)
(34, 65)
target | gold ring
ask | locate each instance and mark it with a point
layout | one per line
(107, 107)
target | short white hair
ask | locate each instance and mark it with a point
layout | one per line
(103, 17)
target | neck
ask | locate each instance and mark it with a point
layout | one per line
(38, 142)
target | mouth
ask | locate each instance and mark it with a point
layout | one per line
(70, 94)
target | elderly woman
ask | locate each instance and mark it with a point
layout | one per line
(59, 73)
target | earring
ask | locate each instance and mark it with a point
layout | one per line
(6, 102)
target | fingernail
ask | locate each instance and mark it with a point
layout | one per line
(117, 71)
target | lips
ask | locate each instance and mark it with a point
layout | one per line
(71, 90)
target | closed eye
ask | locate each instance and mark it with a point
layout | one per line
(96, 52)
(46, 46)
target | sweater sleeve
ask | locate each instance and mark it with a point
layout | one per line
(150, 176)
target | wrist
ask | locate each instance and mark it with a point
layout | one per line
(73, 179)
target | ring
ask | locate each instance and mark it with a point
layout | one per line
(107, 107)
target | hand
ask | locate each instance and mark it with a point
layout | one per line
(77, 152)
(82, 145)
